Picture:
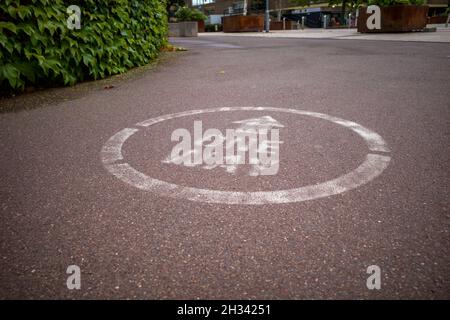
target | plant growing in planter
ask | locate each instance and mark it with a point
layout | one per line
(395, 16)
(190, 14)
(187, 24)
(172, 7)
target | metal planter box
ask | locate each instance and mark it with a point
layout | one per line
(201, 26)
(243, 23)
(278, 25)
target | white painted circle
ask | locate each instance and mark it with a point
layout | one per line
(374, 164)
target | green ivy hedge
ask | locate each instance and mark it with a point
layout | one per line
(37, 47)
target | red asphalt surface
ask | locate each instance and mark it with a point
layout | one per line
(59, 205)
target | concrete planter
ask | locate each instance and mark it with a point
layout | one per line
(243, 23)
(183, 29)
(398, 18)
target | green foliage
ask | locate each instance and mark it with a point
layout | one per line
(173, 4)
(352, 3)
(36, 46)
(189, 14)
(383, 3)
(213, 27)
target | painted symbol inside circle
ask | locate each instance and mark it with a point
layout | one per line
(373, 166)
(251, 137)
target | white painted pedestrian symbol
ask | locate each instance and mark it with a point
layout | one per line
(375, 162)
(259, 137)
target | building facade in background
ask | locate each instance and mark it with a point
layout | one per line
(288, 9)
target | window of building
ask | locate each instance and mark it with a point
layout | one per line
(201, 2)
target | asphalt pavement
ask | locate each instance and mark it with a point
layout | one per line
(149, 236)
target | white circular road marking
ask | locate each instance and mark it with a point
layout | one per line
(374, 164)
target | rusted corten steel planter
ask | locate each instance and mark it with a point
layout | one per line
(437, 19)
(243, 23)
(278, 25)
(201, 26)
(398, 18)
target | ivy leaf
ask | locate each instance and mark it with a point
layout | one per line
(23, 12)
(27, 70)
(88, 60)
(10, 73)
(28, 29)
(12, 11)
(9, 26)
(49, 64)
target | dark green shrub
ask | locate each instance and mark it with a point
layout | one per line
(213, 27)
(188, 14)
(36, 46)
